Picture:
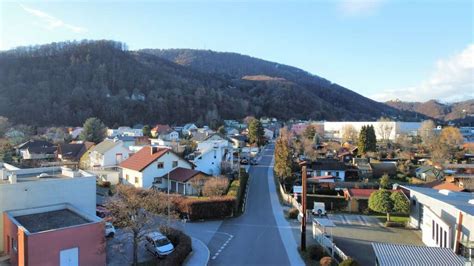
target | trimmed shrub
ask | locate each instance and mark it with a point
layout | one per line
(349, 262)
(215, 187)
(316, 252)
(325, 261)
(394, 224)
(182, 247)
(293, 213)
(215, 208)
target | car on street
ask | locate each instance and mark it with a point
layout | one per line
(319, 209)
(109, 229)
(244, 161)
(158, 244)
(253, 161)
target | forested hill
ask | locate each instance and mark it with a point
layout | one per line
(64, 83)
(458, 111)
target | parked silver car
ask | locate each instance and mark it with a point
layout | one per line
(158, 244)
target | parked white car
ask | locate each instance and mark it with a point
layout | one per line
(158, 244)
(109, 229)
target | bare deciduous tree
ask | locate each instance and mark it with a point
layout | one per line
(349, 134)
(385, 128)
(215, 187)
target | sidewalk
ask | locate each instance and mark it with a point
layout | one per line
(284, 227)
(200, 254)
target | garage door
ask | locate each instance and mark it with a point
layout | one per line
(69, 257)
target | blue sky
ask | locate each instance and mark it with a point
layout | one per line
(383, 49)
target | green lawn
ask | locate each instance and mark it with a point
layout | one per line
(393, 218)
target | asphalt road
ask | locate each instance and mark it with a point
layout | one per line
(253, 238)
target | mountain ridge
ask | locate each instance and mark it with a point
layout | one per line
(64, 83)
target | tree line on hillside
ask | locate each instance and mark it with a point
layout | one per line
(62, 84)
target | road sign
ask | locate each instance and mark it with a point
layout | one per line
(298, 189)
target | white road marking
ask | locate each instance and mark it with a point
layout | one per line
(219, 251)
(365, 220)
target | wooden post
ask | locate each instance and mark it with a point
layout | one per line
(303, 206)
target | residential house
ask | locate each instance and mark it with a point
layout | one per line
(125, 131)
(181, 180)
(108, 153)
(445, 218)
(238, 141)
(428, 173)
(74, 132)
(36, 150)
(298, 128)
(37, 187)
(189, 129)
(381, 168)
(53, 235)
(231, 131)
(72, 152)
(165, 133)
(126, 140)
(358, 199)
(150, 165)
(269, 134)
(329, 167)
(213, 155)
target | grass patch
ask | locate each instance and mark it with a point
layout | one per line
(393, 218)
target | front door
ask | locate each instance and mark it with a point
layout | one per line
(69, 257)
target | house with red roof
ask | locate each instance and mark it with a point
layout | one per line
(164, 132)
(150, 167)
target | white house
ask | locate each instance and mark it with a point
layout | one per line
(35, 187)
(329, 167)
(108, 153)
(214, 154)
(150, 165)
(268, 133)
(445, 218)
(188, 129)
(125, 131)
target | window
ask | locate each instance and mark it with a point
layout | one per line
(337, 174)
(136, 180)
(14, 247)
(440, 236)
(432, 229)
(175, 164)
(127, 177)
(437, 230)
(160, 165)
(445, 239)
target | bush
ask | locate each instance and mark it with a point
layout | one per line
(215, 187)
(349, 262)
(394, 224)
(197, 209)
(293, 213)
(316, 252)
(105, 184)
(237, 189)
(182, 246)
(325, 261)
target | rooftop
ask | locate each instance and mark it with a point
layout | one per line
(459, 200)
(394, 254)
(182, 174)
(40, 174)
(143, 158)
(45, 221)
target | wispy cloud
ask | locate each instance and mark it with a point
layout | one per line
(359, 7)
(50, 22)
(451, 80)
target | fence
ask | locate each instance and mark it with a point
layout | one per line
(326, 242)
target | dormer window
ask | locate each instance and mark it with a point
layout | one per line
(160, 165)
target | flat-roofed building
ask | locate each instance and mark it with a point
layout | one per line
(53, 235)
(445, 218)
(34, 187)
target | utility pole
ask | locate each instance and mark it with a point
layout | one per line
(168, 199)
(303, 205)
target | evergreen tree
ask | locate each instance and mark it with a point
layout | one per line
(147, 131)
(221, 130)
(93, 130)
(362, 140)
(371, 139)
(256, 132)
(380, 201)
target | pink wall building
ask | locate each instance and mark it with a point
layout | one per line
(54, 235)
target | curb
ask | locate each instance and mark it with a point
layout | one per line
(186, 262)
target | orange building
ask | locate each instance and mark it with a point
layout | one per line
(53, 235)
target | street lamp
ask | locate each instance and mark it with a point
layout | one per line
(303, 205)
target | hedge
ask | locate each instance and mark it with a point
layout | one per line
(182, 247)
(237, 190)
(213, 208)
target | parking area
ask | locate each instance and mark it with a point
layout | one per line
(354, 234)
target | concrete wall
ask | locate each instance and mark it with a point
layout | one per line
(79, 192)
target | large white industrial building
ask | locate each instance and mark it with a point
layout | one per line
(383, 130)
